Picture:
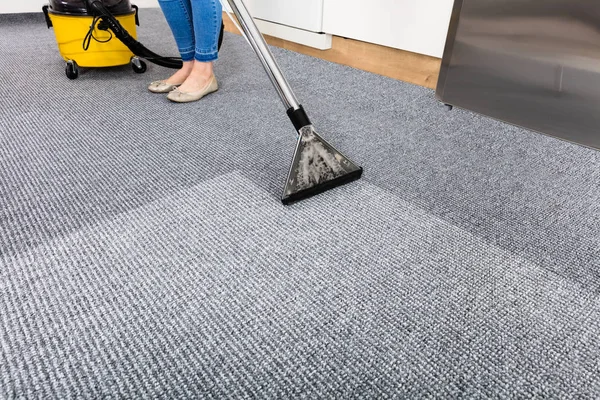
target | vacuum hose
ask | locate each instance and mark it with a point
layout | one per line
(108, 21)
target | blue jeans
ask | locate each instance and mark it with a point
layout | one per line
(196, 25)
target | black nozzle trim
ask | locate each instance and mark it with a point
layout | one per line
(322, 187)
(298, 118)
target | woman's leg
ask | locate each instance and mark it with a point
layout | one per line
(207, 15)
(179, 16)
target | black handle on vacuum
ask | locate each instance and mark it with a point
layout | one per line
(48, 20)
(137, 18)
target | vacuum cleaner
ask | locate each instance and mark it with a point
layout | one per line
(316, 166)
(101, 33)
(82, 41)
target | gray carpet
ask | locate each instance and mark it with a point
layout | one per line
(144, 252)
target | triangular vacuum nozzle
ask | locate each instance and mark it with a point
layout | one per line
(317, 166)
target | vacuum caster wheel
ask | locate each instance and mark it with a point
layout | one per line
(71, 69)
(138, 66)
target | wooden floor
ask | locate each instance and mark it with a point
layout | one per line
(398, 64)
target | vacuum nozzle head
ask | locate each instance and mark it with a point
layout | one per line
(317, 166)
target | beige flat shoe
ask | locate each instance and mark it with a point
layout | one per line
(186, 97)
(161, 87)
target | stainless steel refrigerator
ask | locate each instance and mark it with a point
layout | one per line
(533, 63)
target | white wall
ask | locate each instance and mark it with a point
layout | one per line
(22, 6)
(145, 3)
(26, 6)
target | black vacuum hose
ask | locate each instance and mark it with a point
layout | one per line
(110, 22)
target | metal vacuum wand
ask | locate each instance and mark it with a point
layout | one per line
(264, 54)
(317, 166)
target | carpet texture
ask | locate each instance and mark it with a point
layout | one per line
(144, 252)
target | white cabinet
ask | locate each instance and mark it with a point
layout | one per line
(293, 20)
(419, 26)
(305, 14)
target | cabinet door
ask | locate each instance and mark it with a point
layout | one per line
(419, 26)
(304, 14)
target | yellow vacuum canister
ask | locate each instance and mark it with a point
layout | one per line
(84, 41)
